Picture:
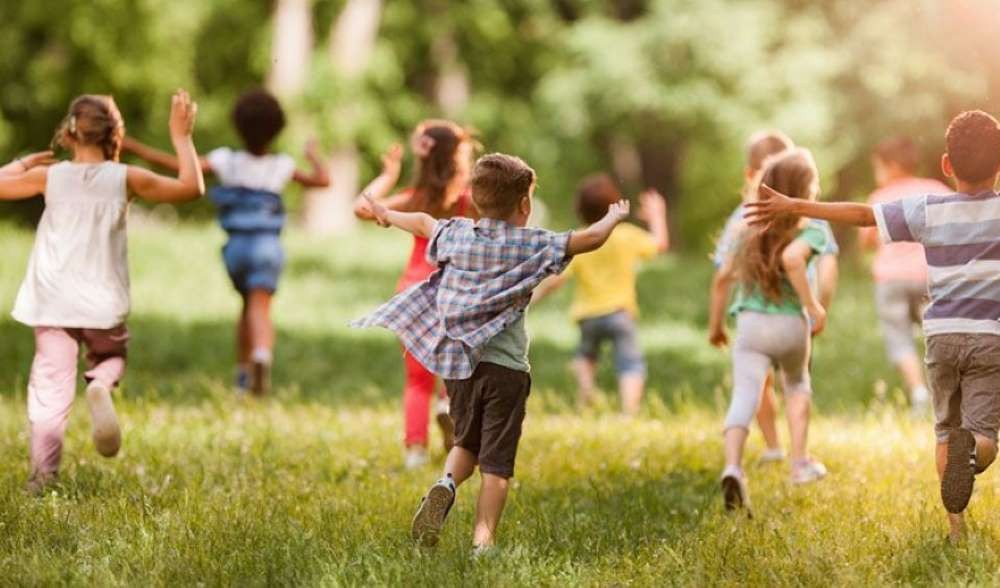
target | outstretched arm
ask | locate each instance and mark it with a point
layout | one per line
(653, 210)
(317, 176)
(794, 260)
(420, 224)
(773, 204)
(159, 157)
(379, 188)
(189, 183)
(23, 164)
(30, 183)
(595, 235)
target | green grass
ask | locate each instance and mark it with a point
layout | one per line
(307, 488)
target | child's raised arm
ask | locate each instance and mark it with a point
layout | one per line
(159, 157)
(773, 204)
(653, 211)
(26, 185)
(317, 176)
(379, 188)
(23, 164)
(420, 224)
(190, 182)
(794, 260)
(591, 238)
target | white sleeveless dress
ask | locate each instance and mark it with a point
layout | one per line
(78, 272)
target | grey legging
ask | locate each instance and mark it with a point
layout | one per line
(763, 341)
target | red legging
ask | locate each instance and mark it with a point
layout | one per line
(417, 395)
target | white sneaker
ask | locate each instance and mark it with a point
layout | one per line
(104, 422)
(775, 455)
(735, 493)
(808, 471)
(416, 457)
(433, 510)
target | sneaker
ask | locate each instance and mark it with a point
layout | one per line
(106, 432)
(416, 457)
(960, 471)
(446, 424)
(775, 455)
(243, 381)
(808, 471)
(433, 510)
(735, 493)
(38, 483)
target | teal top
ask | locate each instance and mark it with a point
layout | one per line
(509, 348)
(754, 300)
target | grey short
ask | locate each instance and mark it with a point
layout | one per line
(963, 370)
(900, 306)
(619, 328)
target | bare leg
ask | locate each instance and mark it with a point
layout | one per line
(460, 464)
(260, 327)
(767, 414)
(585, 371)
(243, 343)
(630, 387)
(492, 498)
(797, 407)
(735, 439)
(913, 373)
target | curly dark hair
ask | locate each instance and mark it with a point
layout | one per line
(258, 118)
(973, 140)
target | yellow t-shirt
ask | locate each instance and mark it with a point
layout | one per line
(605, 278)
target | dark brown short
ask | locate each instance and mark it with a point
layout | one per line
(488, 410)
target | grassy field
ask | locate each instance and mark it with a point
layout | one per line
(307, 488)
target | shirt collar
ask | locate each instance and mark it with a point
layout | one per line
(492, 223)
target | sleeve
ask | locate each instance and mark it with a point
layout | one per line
(219, 159)
(549, 248)
(816, 238)
(641, 241)
(901, 220)
(437, 247)
(284, 170)
(729, 238)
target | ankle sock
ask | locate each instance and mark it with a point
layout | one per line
(734, 471)
(261, 355)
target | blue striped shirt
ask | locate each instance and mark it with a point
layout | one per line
(961, 238)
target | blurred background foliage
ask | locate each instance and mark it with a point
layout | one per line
(659, 92)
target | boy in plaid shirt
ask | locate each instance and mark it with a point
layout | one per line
(466, 324)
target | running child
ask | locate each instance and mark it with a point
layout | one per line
(605, 305)
(776, 314)
(762, 145)
(251, 211)
(962, 321)
(466, 324)
(443, 152)
(899, 269)
(76, 290)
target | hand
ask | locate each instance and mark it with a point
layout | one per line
(619, 211)
(312, 149)
(380, 212)
(717, 337)
(392, 161)
(35, 159)
(183, 112)
(652, 205)
(817, 319)
(771, 205)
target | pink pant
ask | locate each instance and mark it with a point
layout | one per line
(52, 385)
(417, 395)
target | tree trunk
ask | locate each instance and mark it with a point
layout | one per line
(351, 43)
(291, 47)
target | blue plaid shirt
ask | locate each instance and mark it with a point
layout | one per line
(486, 272)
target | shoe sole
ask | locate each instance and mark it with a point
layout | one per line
(959, 475)
(427, 523)
(261, 385)
(447, 430)
(732, 494)
(106, 432)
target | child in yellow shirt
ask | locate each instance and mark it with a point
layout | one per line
(605, 305)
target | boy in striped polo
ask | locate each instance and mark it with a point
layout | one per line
(960, 233)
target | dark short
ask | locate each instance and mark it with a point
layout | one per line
(254, 261)
(619, 328)
(488, 411)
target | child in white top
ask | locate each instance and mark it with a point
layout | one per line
(76, 289)
(252, 213)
